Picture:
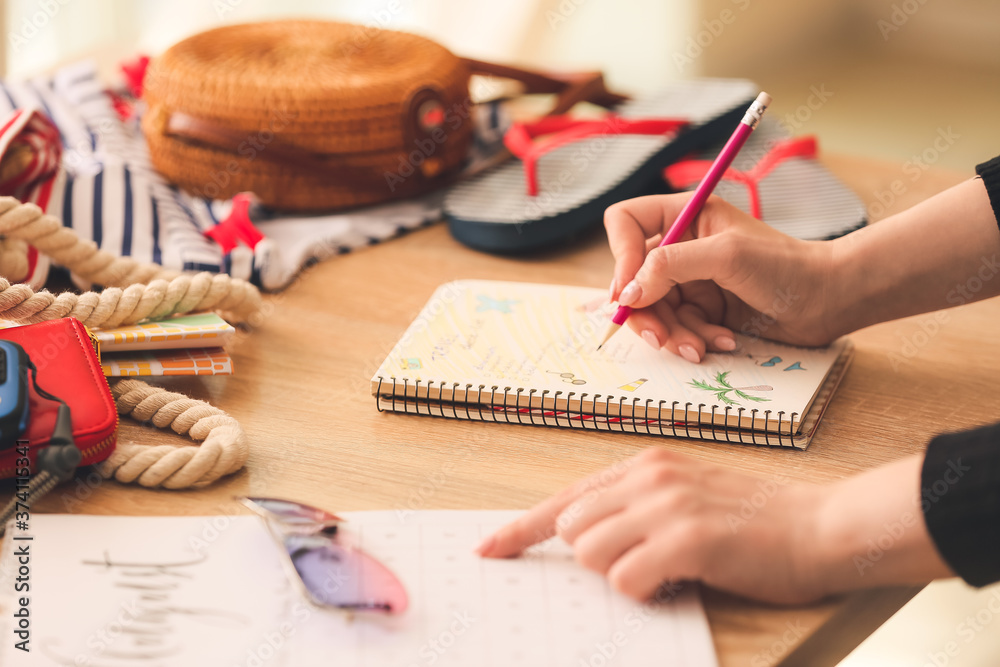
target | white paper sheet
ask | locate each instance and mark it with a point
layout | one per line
(192, 591)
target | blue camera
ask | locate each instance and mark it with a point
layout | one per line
(13, 393)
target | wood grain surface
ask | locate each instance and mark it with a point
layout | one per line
(301, 391)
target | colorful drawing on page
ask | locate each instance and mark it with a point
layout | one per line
(723, 389)
(487, 303)
(774, 361)
(632, 386)
(410, 363)
(569, 378)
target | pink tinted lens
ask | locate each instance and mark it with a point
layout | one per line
(345, 577)
(296, 513)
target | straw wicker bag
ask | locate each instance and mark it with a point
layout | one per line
(307, 114)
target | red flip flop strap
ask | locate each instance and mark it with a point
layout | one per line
(553, 124)
(558, 131)
(681, 175)
(804, 147)
(687, 173)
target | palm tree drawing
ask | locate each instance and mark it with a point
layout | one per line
(722, 391)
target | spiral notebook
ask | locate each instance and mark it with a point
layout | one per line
(527, 354)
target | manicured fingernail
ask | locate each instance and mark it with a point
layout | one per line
(613, 289)
(487, 545)
(725, 343)
(630, 294)
(651, 339)
(689, 353)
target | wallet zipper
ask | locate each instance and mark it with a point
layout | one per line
(93, 449)
(104, 444)
(84, 453)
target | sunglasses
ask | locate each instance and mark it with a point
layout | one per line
(328, 569)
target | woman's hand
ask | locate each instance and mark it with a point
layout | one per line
(661, 516)
(666, 517)
(731, 273)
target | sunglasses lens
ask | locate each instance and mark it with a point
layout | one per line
(295, 513)
(345, 577)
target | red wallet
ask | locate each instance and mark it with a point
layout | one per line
(69, 368)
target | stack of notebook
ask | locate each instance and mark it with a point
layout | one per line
(184, 345)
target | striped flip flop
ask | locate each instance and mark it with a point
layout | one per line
(778, 179)
(568, 177)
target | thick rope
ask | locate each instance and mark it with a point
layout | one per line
(115, 307)
(14, 259)
(128, 298)
(223, 450)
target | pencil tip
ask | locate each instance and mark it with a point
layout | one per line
(612, 328)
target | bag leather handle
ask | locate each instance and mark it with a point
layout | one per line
(569, 88)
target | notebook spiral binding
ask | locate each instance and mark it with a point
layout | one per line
(515, 405)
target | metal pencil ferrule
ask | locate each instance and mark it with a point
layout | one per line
(754, 113)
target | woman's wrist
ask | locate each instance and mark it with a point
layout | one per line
(870, 531)
(859, 284)
(942, 252)
(830, 273)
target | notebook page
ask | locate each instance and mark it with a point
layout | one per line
(212, 591)
(541, 610)
(544, 337)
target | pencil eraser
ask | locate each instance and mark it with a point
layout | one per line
(764, 99)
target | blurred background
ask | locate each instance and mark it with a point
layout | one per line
(915, 83)
(881, 78)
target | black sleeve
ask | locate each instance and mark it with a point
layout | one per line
(990, 173)
(960, 499)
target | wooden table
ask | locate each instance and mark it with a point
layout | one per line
(302, 394)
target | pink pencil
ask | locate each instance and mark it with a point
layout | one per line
(701, 193)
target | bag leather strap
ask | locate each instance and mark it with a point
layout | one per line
(226, 138)
(568, 88)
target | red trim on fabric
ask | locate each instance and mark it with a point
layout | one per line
(13, 119)
(44, 193)
(135, 74)
(40, 135)
(682, 175)
(558, 131)
(237, 226)
(32, 262)
(122, 107)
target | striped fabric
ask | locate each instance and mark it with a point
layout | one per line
(107, 190)
(32, 135)
(30, 151)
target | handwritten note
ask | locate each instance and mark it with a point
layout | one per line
(129, 591)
